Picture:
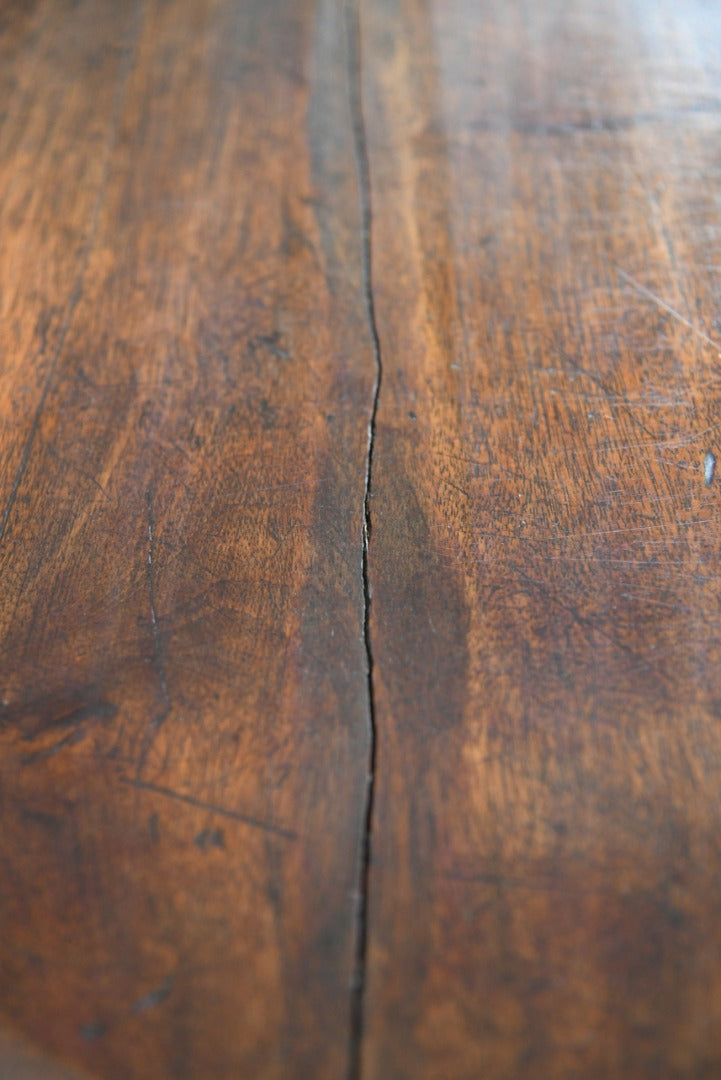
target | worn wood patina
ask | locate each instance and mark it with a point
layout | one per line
(359, 539)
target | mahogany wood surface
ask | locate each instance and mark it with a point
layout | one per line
(360, 650)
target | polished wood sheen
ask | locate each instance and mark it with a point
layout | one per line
(359, 539)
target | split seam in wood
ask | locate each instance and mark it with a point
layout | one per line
(364, 186)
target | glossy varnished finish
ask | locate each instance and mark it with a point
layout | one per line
(218, 220)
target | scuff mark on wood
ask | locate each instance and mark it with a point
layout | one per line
(709, 465)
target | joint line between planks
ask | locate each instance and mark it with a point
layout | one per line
(360, 146)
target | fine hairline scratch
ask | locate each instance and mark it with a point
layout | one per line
(643, 291)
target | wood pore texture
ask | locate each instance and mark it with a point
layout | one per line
(360, 587)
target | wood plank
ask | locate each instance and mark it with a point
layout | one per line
(544, 550)
(189, 372)
(219, 222)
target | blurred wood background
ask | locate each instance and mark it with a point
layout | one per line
(360, 651)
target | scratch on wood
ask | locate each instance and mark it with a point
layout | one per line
(158, 657)
(158, 647)
(75, 725)
(80, 472)
(213, 808)
(587, 624)
(71, 739)
(92, 710)
(643, 291)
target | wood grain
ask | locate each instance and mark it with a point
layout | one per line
(544, 551)
(188, 382)
(360, 655)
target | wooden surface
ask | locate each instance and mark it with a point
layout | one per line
(360, 547)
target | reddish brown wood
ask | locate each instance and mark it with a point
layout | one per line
(273, 805)
(188, 378)
(544, 554)
(22, 1062)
